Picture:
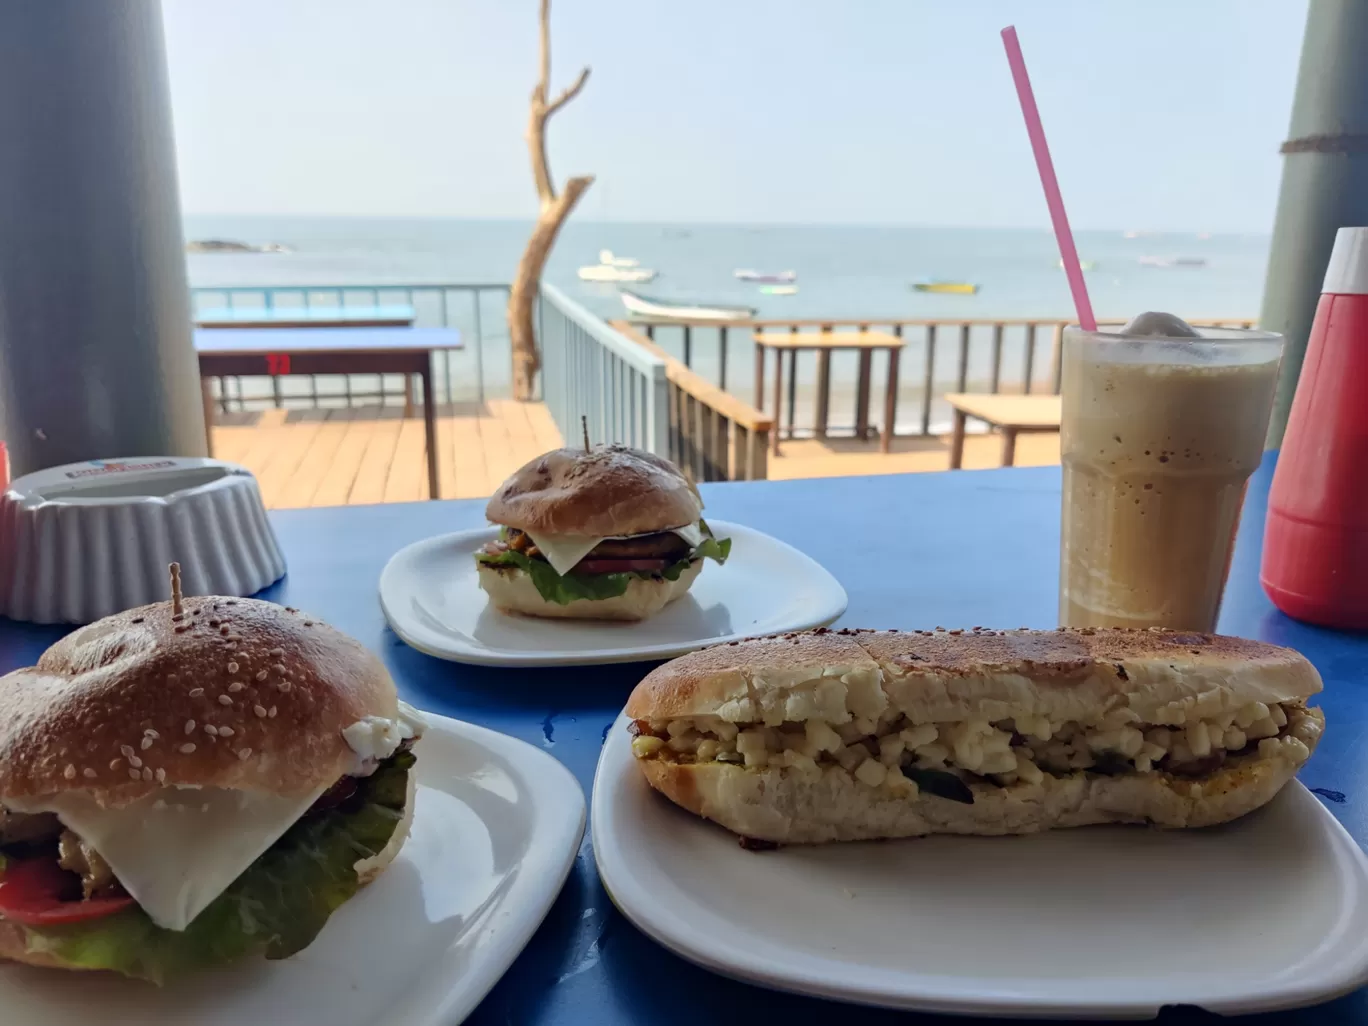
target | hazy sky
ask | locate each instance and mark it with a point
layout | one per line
(1161, 113)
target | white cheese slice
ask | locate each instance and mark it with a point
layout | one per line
(563, 551)
(178, 849)
(691, 533)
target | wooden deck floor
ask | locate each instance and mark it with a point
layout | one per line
(840, 457)
(337, 457)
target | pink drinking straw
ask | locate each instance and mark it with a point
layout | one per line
(1067, 251)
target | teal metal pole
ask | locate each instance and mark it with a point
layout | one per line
(96, 359)
(1324, 183)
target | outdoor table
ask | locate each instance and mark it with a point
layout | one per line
(1010, 414)
(972, 548)
(824, 343)
(279, 352)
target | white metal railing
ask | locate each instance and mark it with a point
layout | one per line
(591, 370)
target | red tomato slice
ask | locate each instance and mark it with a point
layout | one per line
(620, 566)
(31, 893)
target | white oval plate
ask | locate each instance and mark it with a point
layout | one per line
(432, 598)
(496, 829)
(1265, 913)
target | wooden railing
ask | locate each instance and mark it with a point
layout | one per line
(713, 435)
(945, 355)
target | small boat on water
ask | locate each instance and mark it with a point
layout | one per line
(1087, 265)
(779, 290)
(1162, 261)
(959, 288)
(665, 309)
(233, 246)
(609, 273)
(607, 258)
(780, 277)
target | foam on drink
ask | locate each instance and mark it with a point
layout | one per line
(1162, 426)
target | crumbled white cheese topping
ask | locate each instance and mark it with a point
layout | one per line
(376, 738)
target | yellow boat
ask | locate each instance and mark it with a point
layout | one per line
(962, 288)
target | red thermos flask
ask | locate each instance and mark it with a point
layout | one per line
(1315, 556)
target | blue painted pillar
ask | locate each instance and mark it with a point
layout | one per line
(96, 357)
(1325, 179)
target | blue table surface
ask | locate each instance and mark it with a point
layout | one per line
(248, 341)
(913, 551)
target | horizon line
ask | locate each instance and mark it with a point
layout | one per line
(1043, 227)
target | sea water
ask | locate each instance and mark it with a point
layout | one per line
(845, 272)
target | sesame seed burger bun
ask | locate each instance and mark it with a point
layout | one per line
(607, 491)
(134, 694)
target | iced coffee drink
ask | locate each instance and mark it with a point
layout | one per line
(1162, 426)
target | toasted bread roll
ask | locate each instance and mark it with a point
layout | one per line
(850, 735)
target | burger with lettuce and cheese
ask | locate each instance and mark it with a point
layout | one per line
(187, 784)
(601, 533)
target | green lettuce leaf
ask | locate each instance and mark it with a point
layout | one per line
(555, 588)
(275, 908)
(567, 588)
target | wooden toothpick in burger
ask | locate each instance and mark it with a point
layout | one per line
(177, 608)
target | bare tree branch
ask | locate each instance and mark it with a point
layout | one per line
(554, 210)
(569, 94)
(544, 79)
(536, 145)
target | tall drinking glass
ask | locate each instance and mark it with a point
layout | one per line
(1158, 439)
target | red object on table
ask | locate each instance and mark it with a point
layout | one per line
(1315, 556)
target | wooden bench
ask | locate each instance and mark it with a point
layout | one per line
(824, 343)
(1010, 414)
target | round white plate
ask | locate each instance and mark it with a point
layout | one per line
(432, 598)
(495, 831)
(1268, 912)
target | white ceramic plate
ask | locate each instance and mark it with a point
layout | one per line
(1265, 913)
(432, 599)
(495, 831)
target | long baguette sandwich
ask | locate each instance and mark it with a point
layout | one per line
(851, 735)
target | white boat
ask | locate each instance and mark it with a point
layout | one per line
(607, 258)
(663, 309)
(779, 277)
(1160, 261)
(609, 273)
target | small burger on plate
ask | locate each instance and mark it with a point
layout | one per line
(186, 784)
(601, 533)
